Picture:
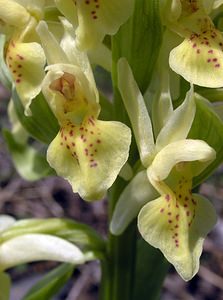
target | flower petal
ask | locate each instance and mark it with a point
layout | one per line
(178, 231)
(181, 151)
(26, 63)
(78, 58)
(34, 7)
(137, 193)
(98, 18)
(13, 14)
(137, 111)
(199, 56)
(90, 155)
(34, 247)
(66, 52)
(217, 3)
(54, 53)
(69, 93)
(178, 125)
(69, 10)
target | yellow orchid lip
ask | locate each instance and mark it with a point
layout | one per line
(89, 153)
(86, 133)
(201, 52)
(179, 202)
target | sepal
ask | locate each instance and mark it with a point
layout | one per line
(137, 111)
(34, 247)
(136, 194)
(179, 123)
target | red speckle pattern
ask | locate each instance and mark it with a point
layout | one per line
(92, 7)
(14, 61)
(179, 205)
(190, 6)
(207, 44)
(82, 141)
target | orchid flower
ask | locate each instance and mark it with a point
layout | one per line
(24, 56)
(201, 52)
(89, 153)
(33, 247)
(172, 218)
(95, 18)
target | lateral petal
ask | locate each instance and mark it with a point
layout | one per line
(181, 151)
(179, 123)
(26, 63)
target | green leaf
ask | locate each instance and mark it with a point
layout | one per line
(213, 95)
(42, 125)
(151, 269)
(51, 283)
(29, 163)
(5, 77)
(80, 234)
(138, 39)
(207, 126)
(5, 284)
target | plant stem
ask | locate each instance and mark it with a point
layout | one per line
(118, 270)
